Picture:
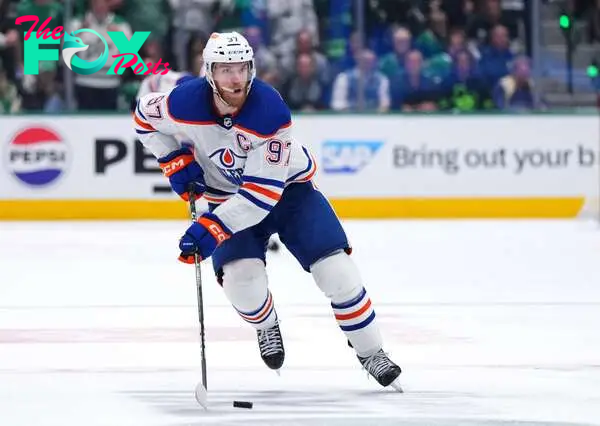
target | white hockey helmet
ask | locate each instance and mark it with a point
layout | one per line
(227, 48)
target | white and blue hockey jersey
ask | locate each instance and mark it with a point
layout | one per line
(248, 158)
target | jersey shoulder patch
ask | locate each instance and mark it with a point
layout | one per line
(190, 101)
(264, 112)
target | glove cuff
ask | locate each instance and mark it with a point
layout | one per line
(175, 161)
(215, 227)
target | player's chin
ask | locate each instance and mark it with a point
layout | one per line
(235, 99)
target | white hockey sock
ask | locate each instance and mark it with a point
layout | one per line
(245, 285)
(356, 318)
(339, 279)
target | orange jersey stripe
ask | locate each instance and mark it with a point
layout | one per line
(143, 125)
(312, 173)
(213, 199)
(264, 191)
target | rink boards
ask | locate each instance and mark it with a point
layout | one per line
(370, 166)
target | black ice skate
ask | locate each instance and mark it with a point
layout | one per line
(382, 369)
(270, 344)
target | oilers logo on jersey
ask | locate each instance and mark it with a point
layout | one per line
(227, 158)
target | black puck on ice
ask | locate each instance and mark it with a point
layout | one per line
(242, 404)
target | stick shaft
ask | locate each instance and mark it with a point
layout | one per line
(199, 294)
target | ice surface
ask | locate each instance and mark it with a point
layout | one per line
(493, 323)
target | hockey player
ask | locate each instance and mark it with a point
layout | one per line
(258, 181)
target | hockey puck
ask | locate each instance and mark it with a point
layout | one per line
(242, 404)
(273, 246)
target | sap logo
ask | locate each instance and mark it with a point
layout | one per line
(348, 156)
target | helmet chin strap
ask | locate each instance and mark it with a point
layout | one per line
(216, 92)
(226, 89)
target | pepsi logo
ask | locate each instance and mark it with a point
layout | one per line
(37, 156)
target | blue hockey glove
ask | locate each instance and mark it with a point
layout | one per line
(183, 171)
(202, 238)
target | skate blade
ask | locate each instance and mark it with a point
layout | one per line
(278, 371)
(396, 385)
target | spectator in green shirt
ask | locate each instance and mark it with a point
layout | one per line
(440, 65)
(431, 41)
(392, 64)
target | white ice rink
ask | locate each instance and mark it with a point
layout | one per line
(493, 323)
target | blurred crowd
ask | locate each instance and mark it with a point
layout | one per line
(416, 55)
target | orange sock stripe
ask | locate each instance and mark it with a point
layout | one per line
(262, 313)
(352, 315)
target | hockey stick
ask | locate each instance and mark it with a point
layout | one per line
(201, 388)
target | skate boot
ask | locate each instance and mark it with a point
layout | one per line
(382, 369)
(270, 344)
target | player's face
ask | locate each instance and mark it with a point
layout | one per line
(231, 81)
